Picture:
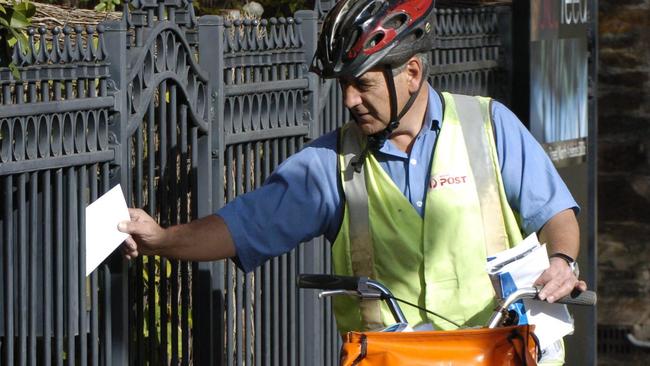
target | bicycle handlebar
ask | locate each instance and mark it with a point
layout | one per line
(369, 289)
(577, 297)
(350, 283)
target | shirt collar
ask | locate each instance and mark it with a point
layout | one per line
(432, 119)
(433, 116)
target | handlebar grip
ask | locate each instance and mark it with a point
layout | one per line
(578, 297)
(327, 282)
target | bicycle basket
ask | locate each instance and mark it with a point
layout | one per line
(506, 346)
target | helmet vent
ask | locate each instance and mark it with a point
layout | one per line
(396, 21)
(374, 40)
(352, 39)
(415, 35)
(371, 10)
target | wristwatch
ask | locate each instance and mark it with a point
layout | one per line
(570, 261)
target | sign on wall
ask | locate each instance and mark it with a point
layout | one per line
(558, 78)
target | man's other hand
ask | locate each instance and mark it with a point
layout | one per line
(558, 281)
(145, 235)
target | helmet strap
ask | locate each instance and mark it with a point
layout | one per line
(377, 140)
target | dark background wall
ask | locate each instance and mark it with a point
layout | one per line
(624, 179)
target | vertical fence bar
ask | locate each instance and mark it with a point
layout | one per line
(72, 303)
(247, 277)
(185, 304)
(10, 269)
(151, 209)
(33, 235)
(294, 316)
(108, 359)
(47, 236)
(22, 268)
(163, 209)
(81, 273)
(266, 300)
(173, 217)
(284, 285)
(230, 336)
(59, 269)
(194, 204)
(276, 280)
(47, 268)
(237, 294)
(94, 291)
(138, 322)
(174, 312)
(106, 335)
(33, 264)
(184, 217)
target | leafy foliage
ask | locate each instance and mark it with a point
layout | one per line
(107, 5)
(15, 17)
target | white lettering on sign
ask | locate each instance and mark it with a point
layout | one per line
(574, 11)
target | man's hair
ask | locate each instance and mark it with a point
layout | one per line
(424, 58)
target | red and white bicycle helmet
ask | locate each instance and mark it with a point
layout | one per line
(359, 34)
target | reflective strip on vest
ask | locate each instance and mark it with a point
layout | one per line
(354, 187)
(438, 267)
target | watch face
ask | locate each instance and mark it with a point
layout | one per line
(575, 268)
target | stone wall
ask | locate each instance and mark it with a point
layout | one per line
(624, 172)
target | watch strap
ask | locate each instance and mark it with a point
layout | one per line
(567, 258)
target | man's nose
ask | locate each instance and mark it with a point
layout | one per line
(351, 96)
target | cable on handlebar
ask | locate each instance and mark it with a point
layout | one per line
(425, 310)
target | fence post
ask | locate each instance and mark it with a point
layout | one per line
(312, 308)
(309, 32)
(208, 299)
(116, 50)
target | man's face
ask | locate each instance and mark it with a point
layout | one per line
(368, 100)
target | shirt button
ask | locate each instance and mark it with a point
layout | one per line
(418, 203)
(414, 162)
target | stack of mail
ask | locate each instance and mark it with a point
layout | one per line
(519, 267)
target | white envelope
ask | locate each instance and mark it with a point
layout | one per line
(102, 236)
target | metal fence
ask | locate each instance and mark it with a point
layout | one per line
(186, 114)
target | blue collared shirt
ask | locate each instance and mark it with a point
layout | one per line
(301, 199)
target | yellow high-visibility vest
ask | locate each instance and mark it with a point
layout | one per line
(437, 261)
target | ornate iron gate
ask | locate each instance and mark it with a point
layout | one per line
(55, 158)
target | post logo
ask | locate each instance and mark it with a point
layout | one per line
(446, 180)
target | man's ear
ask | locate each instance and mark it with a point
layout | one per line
(415, 73)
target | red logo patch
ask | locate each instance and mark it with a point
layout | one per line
(440, 181)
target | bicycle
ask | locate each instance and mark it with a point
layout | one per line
(500, 342)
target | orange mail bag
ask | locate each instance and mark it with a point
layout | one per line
(506, 346)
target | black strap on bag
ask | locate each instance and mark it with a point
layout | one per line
(521, 351)
(363, 352)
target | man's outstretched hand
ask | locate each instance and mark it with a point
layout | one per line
(145, 235)
(204, 239)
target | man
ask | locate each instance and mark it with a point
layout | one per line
(432, 204)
